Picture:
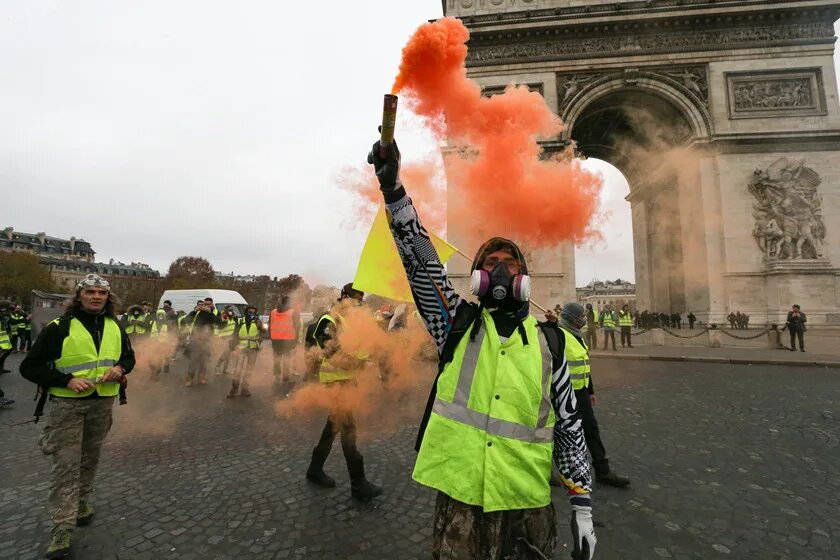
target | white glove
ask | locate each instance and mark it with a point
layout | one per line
(583, 533)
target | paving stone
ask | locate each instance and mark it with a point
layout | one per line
(710, 480)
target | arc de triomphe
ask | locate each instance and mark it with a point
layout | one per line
(724, 117)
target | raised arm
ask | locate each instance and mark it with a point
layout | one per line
(433, 294)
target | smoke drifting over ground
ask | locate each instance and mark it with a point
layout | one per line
(393, 369)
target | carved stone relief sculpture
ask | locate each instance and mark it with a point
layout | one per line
(775, 94)
(787, 211)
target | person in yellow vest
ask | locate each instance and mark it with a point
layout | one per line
(16, 321)
(137, 322)
(247, 335)
(572, 319)
(200, 323)
(339, 367)
(5, 349)
(6, 328)
(224, 337)
(159, 337)
(592, 321)
(283, 325)
(25, 333)
(625, 323)
(502, 407)
(608, 324)
(80, 359)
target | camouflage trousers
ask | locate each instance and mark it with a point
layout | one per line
(465, 532)
(73, 436)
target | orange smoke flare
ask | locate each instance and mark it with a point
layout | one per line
(504, 186)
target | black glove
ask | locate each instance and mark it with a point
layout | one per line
(387, 168)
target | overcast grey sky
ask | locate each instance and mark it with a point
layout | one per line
(159, 129)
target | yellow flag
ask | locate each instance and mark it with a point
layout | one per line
(380, 269)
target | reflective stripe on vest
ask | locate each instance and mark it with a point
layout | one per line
(577, 360)
(249, 336)
(281, 325)
(80, 358)
(328, 373)
(490, 435)
(135, 325)
(14, 327)
(5, 341)
(608, 319)
(226, 330)
(625, 319)
(163, 329)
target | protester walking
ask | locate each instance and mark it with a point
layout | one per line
(248, 339)
(283, 325)
(5, 335)
(338, 367)
(592, 321)
(16, 320)
(795, 324)
(608, 324)
(201, 322)
(159, 351)
(571, 320)
(80, 359)
(490, 461)
(625, 323)
(224, 332)
(691, 319)
(5, 350)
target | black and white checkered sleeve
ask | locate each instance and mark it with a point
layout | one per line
(570, 453)
(434, 295)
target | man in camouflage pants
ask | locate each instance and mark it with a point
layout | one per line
(80, 360)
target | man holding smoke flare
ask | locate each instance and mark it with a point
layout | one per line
(502, 406)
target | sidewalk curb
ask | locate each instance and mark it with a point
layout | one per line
(717, 360)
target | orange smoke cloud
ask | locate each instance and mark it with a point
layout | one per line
(393, 371)
(504, 186)
(428, 191)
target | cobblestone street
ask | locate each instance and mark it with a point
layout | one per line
(727, 461)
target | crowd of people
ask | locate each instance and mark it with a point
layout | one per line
(510, 413)
(15, 336)
(738, 320)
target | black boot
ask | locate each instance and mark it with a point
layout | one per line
(612, 479)
(234, 388)
(361, 488)
(315, 473)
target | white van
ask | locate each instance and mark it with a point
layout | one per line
(185, 300)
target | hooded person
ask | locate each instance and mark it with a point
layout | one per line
(501, 409)
(137, 322)
(571, 322)
(80, 359)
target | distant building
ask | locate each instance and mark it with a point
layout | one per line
(616, 293)
(70, 259)
(42, 244)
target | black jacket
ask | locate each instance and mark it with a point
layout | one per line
(796, 323)
(38, 366)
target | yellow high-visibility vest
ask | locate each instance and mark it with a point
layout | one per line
(249, 336)
(80, 358)
(490, 435)
(577, 360)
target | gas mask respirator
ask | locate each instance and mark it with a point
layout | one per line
(498, 286)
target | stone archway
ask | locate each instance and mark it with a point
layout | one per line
(642, 131)
(747, 220)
